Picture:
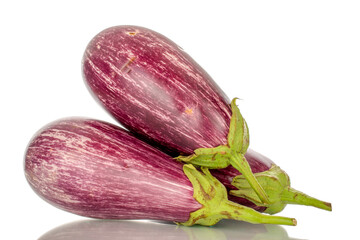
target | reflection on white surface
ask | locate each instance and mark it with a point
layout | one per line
(111, 229)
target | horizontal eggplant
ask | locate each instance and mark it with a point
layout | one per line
(95, 169)
(158, 92)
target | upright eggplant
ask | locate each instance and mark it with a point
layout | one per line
(95, 169)
(157, 91)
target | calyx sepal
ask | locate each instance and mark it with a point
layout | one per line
(238, 136)
(213, 158)
(276, 182)
(212, 195)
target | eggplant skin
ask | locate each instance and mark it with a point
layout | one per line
(156, 90)
(95, 169)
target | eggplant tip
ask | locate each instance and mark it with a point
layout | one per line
(329, 205)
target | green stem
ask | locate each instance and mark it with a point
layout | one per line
(239, 162)
(239, 212)
(226, 209)
(292, 196)
(276, 183)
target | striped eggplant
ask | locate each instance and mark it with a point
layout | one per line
(95, 169)
(158, 92)
(274, 180)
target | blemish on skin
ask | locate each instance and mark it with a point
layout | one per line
(199, 217)
(125, 67)
(203, 193)
(226, 213)
(189, 111)
(98, 46)
(132, 33)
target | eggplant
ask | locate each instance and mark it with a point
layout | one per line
(158, 92)
(98, 170)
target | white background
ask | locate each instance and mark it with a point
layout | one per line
(295, 64)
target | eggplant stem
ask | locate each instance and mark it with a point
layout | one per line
(239, 162)
(292, 196)
(276, 183)
(239, 212)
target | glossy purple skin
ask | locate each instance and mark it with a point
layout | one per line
(95, 169)
(257, 162)
(156, 90)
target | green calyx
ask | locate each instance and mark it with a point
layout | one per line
(277, 185)
(230, 154)
(209, 192)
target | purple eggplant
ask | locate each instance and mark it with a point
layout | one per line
(95, 169)
(158, 92)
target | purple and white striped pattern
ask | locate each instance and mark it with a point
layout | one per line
(156, 90)
(95, 169)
